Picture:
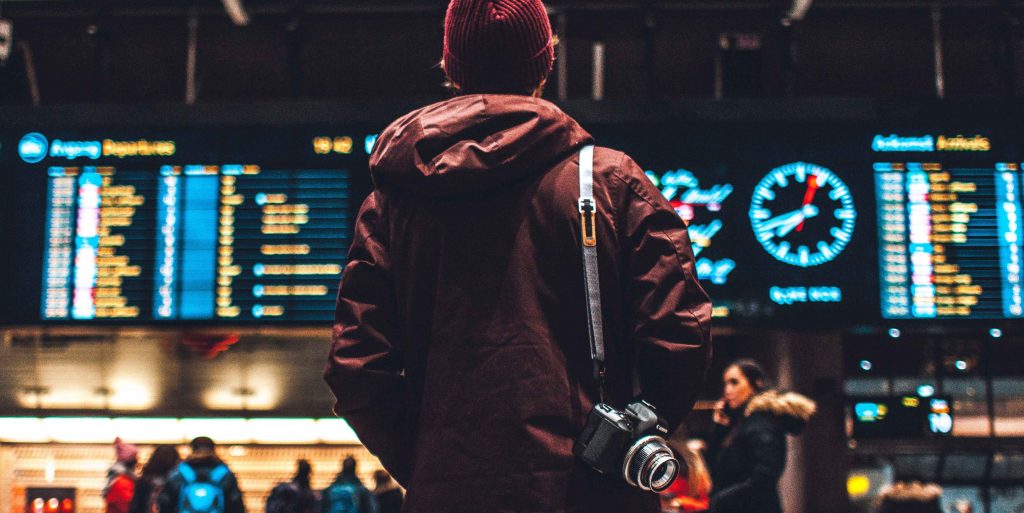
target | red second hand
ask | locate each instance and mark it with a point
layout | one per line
(812, 187)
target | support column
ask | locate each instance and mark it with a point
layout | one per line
(816, 470)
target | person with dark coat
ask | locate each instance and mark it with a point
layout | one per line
(202, 465)
(389, 495)
(461, 355)
(748, 448)
(154, 476)
(295, 496)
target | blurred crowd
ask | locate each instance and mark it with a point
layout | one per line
(203, 483)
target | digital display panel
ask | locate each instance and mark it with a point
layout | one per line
(779, 221)
(795, 221)
(250, 225)
(902, 417)
(949, 229)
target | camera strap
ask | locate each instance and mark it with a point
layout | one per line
(592, 283)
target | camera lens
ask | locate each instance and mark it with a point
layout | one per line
(650, 464)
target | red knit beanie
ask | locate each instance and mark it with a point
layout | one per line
(497, 46)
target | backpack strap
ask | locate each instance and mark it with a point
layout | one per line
(187, 472)
(219, 473)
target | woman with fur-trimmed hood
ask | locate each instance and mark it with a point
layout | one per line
(748, 449)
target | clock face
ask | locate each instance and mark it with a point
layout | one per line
(802, 214)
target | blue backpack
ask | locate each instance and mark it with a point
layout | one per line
(202, 494)
(341, 498)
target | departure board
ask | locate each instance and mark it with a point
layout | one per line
(153, 229)
(797, 218)
(949, 230)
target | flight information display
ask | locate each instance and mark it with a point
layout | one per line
(794, 221)
(949, 229)
(153, 229)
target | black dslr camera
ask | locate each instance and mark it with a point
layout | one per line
(631, 442)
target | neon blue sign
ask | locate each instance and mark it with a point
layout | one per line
(716, 272)
(33, 147)
(793, 295)
(894, 142)
(74, 149)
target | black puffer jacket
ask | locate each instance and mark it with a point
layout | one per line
(748, 456)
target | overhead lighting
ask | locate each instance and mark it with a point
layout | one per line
(236, 11)
(101, 430)
(798, 9)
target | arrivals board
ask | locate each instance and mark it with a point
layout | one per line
(949, 228)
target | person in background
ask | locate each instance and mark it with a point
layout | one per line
(202, 483)
(689, 492)
(120, 487)
(347, 493)
(388, 494)
(748, 448)
(910, 497)
(295, 496)
(154, 476)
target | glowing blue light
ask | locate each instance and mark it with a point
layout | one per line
(925, 390)
(961, 365)
(33, 147)
(865, 365)
(995, 333)
(774, 223)
(894, 333)
(897, 143)
(368, 144)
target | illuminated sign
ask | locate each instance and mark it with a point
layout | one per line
(928, 143)
(33, 147)
(793, 295)
(897, 143)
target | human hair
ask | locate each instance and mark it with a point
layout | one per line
(302, 473)
(348, 466)
(201, 443)
(160, 463)
(381, 477)
(755, 374)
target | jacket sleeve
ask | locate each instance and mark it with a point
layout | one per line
(167, 501)
(365, 369)
(765, 445)
(670, 312)
(234, 502)
(369, 501)
(140, 497)
(119, 497)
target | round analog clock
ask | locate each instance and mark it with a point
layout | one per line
(802, 214)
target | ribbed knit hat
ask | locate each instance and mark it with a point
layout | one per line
(497, 46)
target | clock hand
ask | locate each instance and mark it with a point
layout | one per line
(782, 220)
(806, 212)
(812, 187)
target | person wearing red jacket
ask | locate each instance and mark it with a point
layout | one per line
(120, 487)
(461, 355)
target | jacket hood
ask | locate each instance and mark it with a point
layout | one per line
(793, 409)
(473, 143)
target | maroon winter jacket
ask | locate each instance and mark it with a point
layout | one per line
(460, 355)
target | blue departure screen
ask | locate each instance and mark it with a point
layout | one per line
(169, 229)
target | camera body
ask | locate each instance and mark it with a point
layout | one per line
(631, 442)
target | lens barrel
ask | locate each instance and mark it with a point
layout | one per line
(650, 464)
